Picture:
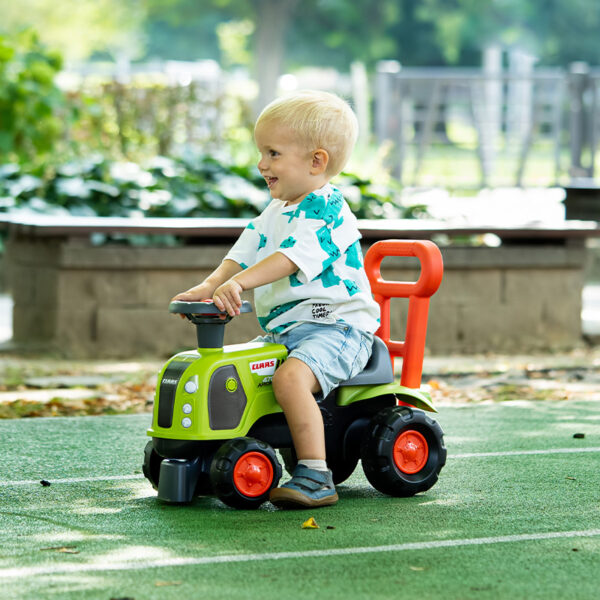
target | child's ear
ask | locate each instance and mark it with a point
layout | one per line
(320, 160)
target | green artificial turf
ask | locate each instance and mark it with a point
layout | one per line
(110, 538)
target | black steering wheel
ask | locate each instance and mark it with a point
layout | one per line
(205, 309)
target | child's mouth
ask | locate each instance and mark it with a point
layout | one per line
(271, 181)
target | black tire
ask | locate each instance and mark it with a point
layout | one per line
(403, 451)
(340, 469)
(151, 470)
(151, 466)
(238, 466)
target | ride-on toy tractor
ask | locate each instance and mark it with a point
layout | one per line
(216, 422)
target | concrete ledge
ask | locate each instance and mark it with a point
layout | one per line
(111, 301)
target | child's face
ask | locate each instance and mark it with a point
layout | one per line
(285, 163)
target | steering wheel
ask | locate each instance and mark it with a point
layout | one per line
(203, 309)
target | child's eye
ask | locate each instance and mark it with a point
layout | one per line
(273, 153)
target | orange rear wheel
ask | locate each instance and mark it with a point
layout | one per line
(402, 451)
(411, 451)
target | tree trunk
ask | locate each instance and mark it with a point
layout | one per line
(273, 17)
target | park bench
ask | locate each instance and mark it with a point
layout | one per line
(88, 299)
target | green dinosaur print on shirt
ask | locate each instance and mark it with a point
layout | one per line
(354, 256)
(294, 281)
(332, 211)
(317, 207)
(328, 277)
(289, 242)
(351, 287)
(277, 311)
(327, 245)
(262, 242)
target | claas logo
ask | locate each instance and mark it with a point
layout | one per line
(264, 367)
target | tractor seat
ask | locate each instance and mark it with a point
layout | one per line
(379, 369)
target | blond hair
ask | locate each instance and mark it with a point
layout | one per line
(320, 119)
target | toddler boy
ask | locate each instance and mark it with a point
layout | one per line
(302, 257)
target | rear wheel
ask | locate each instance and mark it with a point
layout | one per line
(403, 451)
(243, 472)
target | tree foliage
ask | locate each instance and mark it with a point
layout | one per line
(428, 32)
(79, 28)
(316, 32)
(32, 108)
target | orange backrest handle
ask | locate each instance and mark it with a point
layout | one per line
(412, 349)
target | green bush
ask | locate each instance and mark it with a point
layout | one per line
(41, 128)
(33, 111)
(169, 187)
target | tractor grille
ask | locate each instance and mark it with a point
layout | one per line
(166, 394)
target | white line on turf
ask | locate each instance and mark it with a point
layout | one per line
(465, 455)
(523, 452)
(61, 569)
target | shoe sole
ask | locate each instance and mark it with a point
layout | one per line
(286, 498)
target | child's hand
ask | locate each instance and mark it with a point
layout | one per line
(195, 294)
(227, 297)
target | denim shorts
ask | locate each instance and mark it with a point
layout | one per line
(334, 352)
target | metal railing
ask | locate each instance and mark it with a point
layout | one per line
(469, 127)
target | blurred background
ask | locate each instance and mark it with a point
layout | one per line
(484, 110)
(119, 108)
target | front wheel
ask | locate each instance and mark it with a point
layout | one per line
(403, 451)
(151, 470)
(151, 465)
(244, 471)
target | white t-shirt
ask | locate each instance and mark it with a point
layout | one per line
(321, 237)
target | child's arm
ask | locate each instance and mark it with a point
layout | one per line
(276, 266)
(226, 270)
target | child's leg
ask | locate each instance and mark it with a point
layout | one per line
(294, 385)
(320, 357)
(311, 485)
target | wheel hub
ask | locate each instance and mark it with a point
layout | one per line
(411, 452)
(253, 474)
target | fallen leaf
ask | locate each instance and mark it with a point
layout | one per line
(579, 436)
(62, 549)
(434, 384)
(416, 568)
(310, 524)
(166, 583)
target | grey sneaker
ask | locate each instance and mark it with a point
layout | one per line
(308, 488)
